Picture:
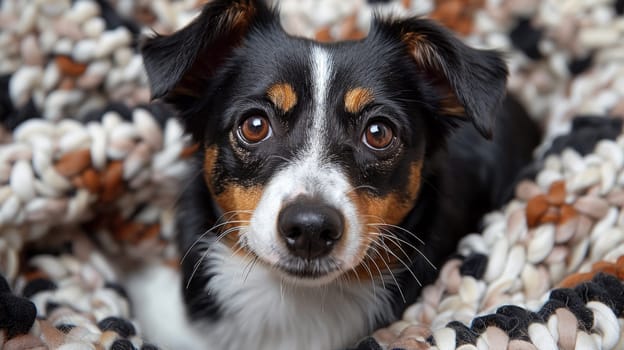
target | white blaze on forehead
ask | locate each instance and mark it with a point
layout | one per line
(321, 77)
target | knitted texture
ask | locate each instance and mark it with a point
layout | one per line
(84, 159)
(553, 257)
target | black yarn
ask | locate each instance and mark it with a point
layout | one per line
(114, 20)
(549, 308)
(38, 285)
(149, 347)
(17, 315)
(122, 344)
(619, 7)
(51, 306)
(525, 37)
(463, 334)
(474, 265)
(368, 343)
(118, 288)
(123, 110)
(523, 317)
(507, 324)
(65, 328)
(575, 304)
(586, 132)
(615, 289)
(580, 64)
(515, 320)
(592, 291)
(123, 327)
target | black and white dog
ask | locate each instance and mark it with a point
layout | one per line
(336, 177)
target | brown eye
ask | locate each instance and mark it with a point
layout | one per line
(254, 129)
(378, 135)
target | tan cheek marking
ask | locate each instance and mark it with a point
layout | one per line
(239, 202)
(356, 99)
(283, 96)
(390, 209)
(238, 199)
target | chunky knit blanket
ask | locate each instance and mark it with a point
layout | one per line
(90, 173)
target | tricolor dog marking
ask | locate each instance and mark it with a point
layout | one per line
(335, 176)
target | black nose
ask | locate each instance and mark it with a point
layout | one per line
(310, 228)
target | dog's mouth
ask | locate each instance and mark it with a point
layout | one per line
(297, 269)
(308, 269)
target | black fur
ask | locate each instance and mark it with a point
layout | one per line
(216, 72)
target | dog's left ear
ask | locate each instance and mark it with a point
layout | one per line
(180, 65)
(183, 67)
(471, 83)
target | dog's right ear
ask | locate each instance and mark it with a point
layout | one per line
(470, 83)
(179, 66)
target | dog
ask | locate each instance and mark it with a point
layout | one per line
(334, 177)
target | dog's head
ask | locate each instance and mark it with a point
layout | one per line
(314, 152)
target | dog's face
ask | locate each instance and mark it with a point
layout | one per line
(313, 152)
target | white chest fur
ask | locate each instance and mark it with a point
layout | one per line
(260, 310)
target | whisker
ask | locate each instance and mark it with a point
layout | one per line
(404, 264)
(242, 272)
(288, 161)
(362, 187)
(281, 289)
(240, 247)
(392, 275)
(228, 231)
(254, 261)
(232, 213)
(394, 241)
(352, 269)
(188, 250)
(412, 234)
(324, 290)
(381, 277)
(341, 277)
(203, 235)
(392, 237)
(363, 263)
(196, 267)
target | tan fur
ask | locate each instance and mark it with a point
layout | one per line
(421, 49)
(283, 96)
(390, 209)
(356, 99)
(427, 58)
(233, 199)
(450, 106)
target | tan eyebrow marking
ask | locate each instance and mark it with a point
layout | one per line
(356, 99)
(283, 96)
